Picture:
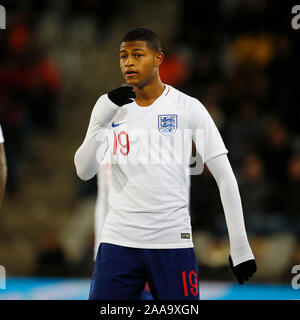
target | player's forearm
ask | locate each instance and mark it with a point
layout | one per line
(3, 173)
(88, 156)
(231, 202)
(230, 197)
(91, 152)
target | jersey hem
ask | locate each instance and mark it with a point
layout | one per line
(143, 246)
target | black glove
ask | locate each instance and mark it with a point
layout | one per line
(122, 95)
(243, 271)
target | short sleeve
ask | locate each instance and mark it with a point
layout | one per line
(1, 135)
(206, 135)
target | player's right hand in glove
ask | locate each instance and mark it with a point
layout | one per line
(243, 271)
(122, 95)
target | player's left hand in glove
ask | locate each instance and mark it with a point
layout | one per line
(243, 271)
(122, 95)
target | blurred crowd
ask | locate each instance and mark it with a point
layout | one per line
(30, 84)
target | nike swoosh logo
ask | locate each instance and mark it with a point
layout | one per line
(117, 124)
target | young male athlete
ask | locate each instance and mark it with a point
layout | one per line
(147, 128)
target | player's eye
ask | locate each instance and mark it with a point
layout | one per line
(138, 55)
(123, 57)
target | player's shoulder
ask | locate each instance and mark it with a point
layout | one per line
(184, 99)
(102, 98)
(179, 96)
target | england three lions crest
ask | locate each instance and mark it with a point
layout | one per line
(167, 124)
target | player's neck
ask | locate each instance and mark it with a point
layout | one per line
(146, 95)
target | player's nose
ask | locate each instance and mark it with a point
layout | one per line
(129, 62)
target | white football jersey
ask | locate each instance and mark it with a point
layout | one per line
(1, 135)
(150, 149)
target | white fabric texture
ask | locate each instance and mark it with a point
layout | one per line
(95, 143)
(149, 201)
(221, 170)
(1, 135)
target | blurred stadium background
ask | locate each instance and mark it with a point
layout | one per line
(238, 57)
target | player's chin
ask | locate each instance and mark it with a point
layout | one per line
(132, 82)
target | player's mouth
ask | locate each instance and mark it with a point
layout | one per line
(130, 73)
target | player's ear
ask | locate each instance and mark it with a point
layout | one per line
(158, 59)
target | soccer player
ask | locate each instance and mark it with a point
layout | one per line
(3, 168)
(148, 127)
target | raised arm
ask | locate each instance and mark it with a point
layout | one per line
(89, 155)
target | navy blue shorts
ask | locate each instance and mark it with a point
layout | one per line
(121, 273)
